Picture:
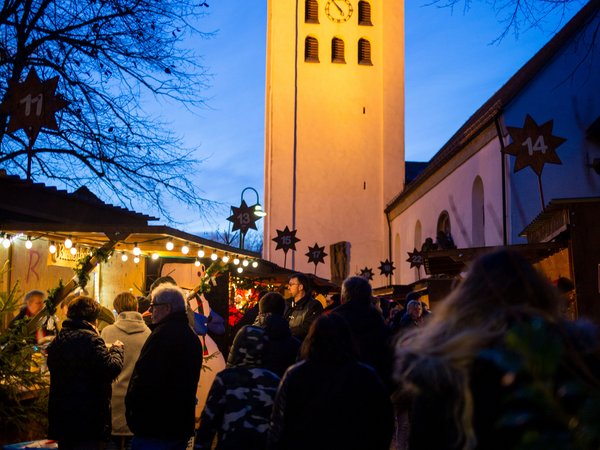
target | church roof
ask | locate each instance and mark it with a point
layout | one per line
(486, 114)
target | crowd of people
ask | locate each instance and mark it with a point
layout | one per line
(495, 366)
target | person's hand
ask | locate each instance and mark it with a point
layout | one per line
(118, 343)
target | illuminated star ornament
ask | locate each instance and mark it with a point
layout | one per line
(243, 218)
(415, 258)
(316, 255)
(534, 145)
(367, 273)
(286, 239)
(387, 268)
(32, 105)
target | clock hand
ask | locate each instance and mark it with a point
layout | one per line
(338, 7)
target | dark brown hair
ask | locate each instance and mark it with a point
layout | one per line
(83, 308)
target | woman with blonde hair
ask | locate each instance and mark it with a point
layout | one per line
(490, 368)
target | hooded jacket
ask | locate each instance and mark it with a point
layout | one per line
(282, 348)
(241, 398)
(130, 329)
(81, 371)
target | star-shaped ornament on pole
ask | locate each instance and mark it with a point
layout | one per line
(243, 219)
(286, 240)
(387, 268)
(367, 273)
(316, 255)
(415, 258)
(534, 145)
(31, 106)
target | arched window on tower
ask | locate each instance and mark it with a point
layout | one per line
(364, 13)
(337, 51)
(444, 232)
(364, 52)
(478, 213)
(311, 49)
(311, 11)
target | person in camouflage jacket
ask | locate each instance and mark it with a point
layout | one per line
(240, 400)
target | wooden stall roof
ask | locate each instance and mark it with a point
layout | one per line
(453, 262)
(24, 201)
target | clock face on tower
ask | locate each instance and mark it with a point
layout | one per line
(339, 10)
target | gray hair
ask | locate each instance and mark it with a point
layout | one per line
(34, 293)
(171, 294)
(413, 303)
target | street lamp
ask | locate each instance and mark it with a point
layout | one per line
(245, 217)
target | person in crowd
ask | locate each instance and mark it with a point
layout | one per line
(301, 309)
(241, 397)
(161, 398)
(412, 317)
(33, 304)
(334, 302)
(130, 329)
(330, 400)
(368, 327)
(82, 368)
(283, 348)
(497, 366)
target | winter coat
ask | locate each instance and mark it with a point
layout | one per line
(300, 315)
(371, 335)
(241, 397)
(283, 348)
(130, 329)
(161, 397)
(331, 406)
(82, 369)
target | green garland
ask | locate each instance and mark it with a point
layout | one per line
(51, 300)
(210, 277)
(82, 270)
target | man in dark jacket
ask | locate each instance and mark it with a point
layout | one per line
(301, 310)
(282, 348)
(82, 369)
(161, 397)
(368, 327)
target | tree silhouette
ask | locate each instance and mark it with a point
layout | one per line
(110, 56)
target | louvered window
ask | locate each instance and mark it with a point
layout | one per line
(364, 13)
(364, 52)
(311, 49)
(337, 51)
(311, 11)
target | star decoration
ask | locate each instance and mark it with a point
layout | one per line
(32, 105)
(243, 218)
(387, 267)
(534, 145)
(316, 254)
(415, 258)
(286, 239)
(367, 273)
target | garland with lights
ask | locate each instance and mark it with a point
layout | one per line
(52, 299)
(209, 279)
(81, 268)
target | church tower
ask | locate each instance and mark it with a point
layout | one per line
(334, 136)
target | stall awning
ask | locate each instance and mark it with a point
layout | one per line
(453, 262)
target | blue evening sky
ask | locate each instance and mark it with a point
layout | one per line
(452, 68)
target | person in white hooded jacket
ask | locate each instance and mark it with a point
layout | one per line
(130, 329)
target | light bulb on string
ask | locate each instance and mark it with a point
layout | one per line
(201, 253)
(255, 264)
(136, 259)
(214, 256)
(52, 248)
(240, 270)
(124, 257)
(68, 242)
(73, 250)
(185, 249)
(155, 256)
(170, 246)
(245, 263)
(136, 250)
(225, 258)
(197, 263)
(28, 243)
(6, 241)
(236, 261)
